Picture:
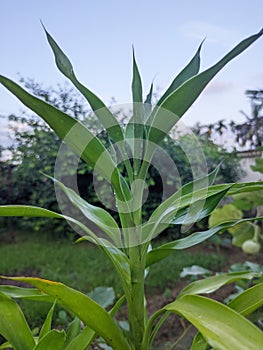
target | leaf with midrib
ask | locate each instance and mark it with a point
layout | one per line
(178, 102)
(75, 135)
(222, 327)
(101, 111)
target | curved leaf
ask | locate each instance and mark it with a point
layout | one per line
(249, 300)
(46, 328)
(101, 111)
(97, 215)
(184, 208)
(13, 325)
(28, 211)
(52, 340)
(84, 308)
(222, 327)
(191, 69)
(211, 284)
(199, 343)
(178, 102)
(136, 82)
(164, 250)
(31, 211)
(25, 293)
(75, 135)
(82, 340)
(73, 331)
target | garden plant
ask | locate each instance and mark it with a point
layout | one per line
(126, 241)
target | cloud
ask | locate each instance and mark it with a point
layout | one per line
(212, 33)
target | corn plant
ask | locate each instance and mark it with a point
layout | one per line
(126, 241)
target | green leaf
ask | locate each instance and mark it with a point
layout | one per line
(242, 233)
(184, 208)
(227, 212)
(136, 82)
(101, 111)
(178, 102)
(148, 104)
(185, 216)
(46, 328)
(85, 338)
(82, 341)
(165, 250)
(199, 343)
(211, 284)
(31, 211)
(245, 187)
(188, 72)
(83, 307)
(13, 325)
(249, 300)
(75, 135)
(97, 215)
(222, 327)
(191, 191)
(25, 293)
(72, 332)
(51, 341)
(5, 345)
(27, 210)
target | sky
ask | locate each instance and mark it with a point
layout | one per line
(98, 36)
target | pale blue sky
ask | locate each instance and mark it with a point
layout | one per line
(98, 36)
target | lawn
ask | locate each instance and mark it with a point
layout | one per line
(83, 266)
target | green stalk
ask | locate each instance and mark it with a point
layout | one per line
(136, 306)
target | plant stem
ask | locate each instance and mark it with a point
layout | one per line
(136, 306)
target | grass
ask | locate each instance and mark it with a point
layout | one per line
(84, 267)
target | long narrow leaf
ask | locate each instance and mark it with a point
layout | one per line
(51, 341)
(46, 328)
(97, 215)
(25, 293)
(165, 250)
(101, 111)
(82, 341)
(191, 69)
(85, 338)
(28, 211)
(183, 217)
(31, 211)
(222, 327)
(136, 82)
(188, 189)
(76, 136)
(248, 301)
(84, 308)
(178, 102)
(13, 325)
(185, 209)
(199, 342)
(148, 104)
(72, 332)
(211, 284)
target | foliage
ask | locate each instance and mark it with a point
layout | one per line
(128, 245)
(35, 148)
(246, 235)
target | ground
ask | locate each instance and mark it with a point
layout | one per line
(157, 297)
